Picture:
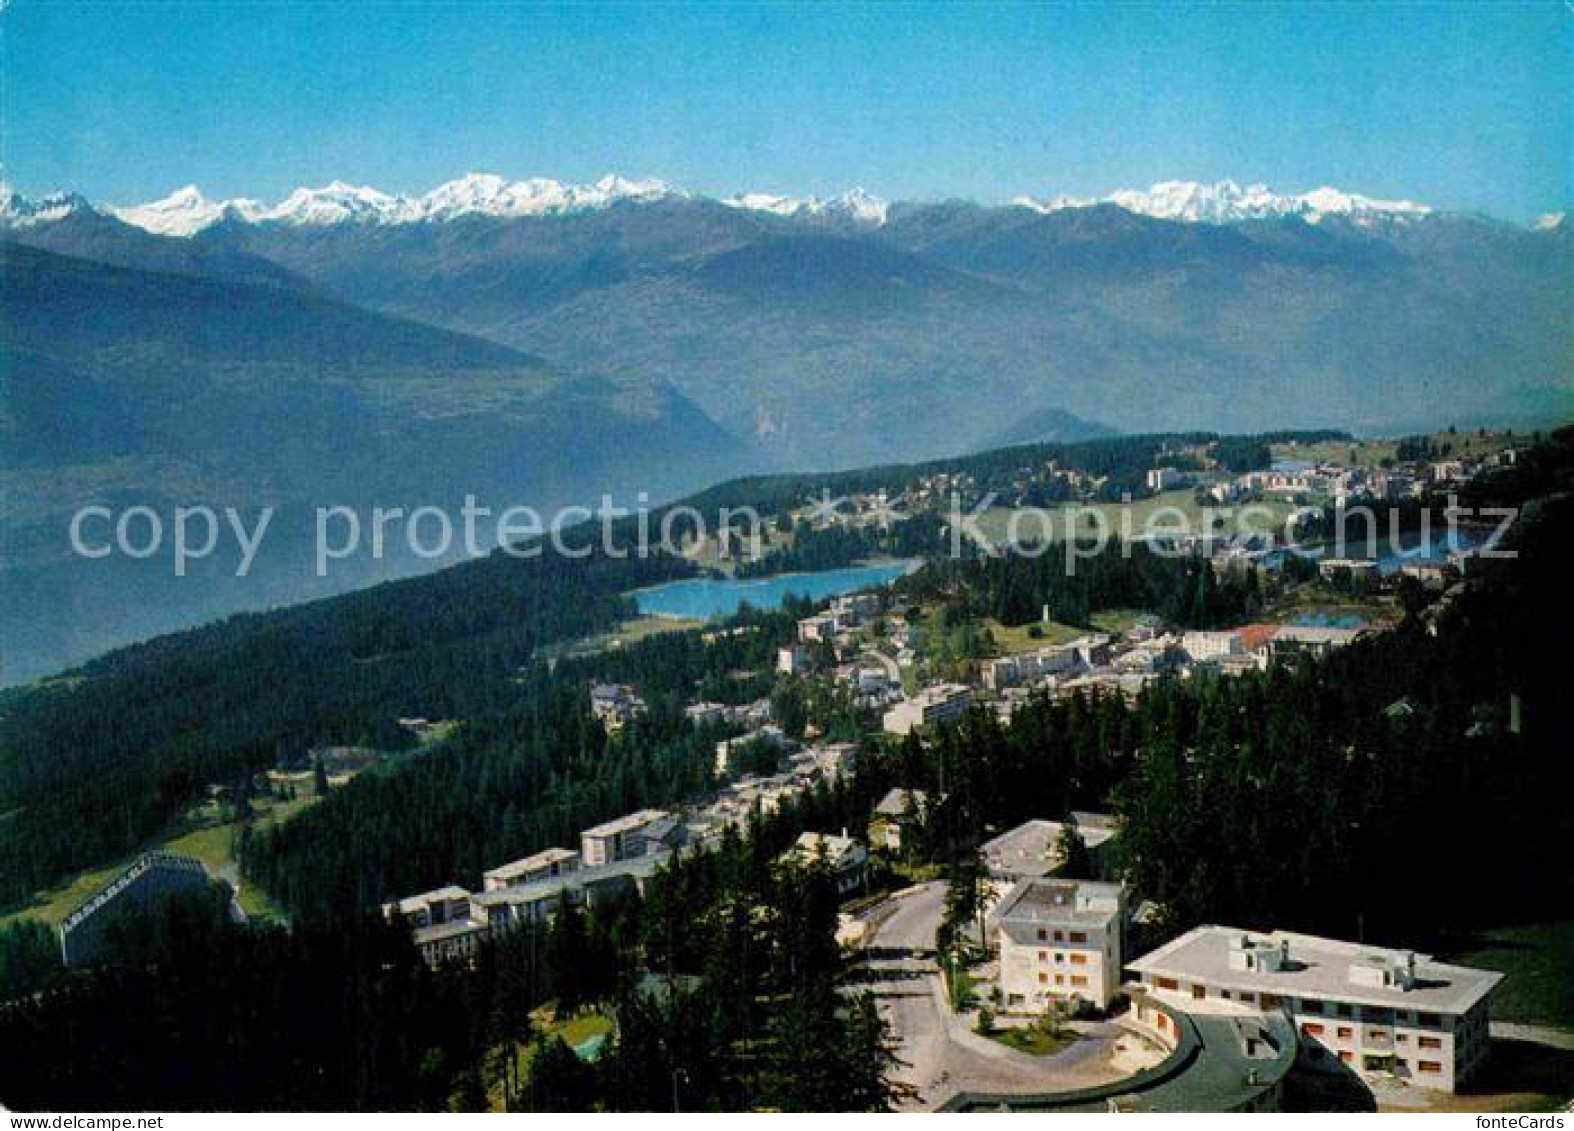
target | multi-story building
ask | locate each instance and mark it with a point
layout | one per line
(818, 629)
(940, 703)
(1370, 1009)
(430, 908)
(1060, 942)
(1205, 646)
(1033, 847)
(793, 659)
(846, 858)
(1024, 667)
(615, 704)
(86, 933)
(1363, 570)
(617, 840)
(541, 866)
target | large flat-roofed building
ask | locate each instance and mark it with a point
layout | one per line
(463, 927)
(936, 704)
(86, 933)
(542, 866)
(616, 840)
(1205, 646)
(1060, 942)
(1033, 847)
(1369, 1008)
(430, 908)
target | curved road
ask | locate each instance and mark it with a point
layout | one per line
(939, 1055)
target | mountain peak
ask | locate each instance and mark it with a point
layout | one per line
(1228, 202)
(18, 211)
(855, 204)
(187, 210)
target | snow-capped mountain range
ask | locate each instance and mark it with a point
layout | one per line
(1227, 202)
(187, 211)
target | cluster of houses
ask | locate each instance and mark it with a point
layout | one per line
(613, 858)
(1370, 1010)
(615, 705)
(1125, 663)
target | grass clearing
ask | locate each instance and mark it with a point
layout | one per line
(200, 833)
(1538, 963)
(1012, 639)
(1034, 1040)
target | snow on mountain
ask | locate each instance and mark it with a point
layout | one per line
(855, 204)
(184, 212)
(1227, 202)
(187, 211)
(18, 211)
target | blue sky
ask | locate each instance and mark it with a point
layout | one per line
(1458, 106)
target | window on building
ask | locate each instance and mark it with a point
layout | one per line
(1311, 1005)
(1311, 1029)
(1430, 1066)
(1431, 1042)
(1043, 979)
(1042, 934)
(1429, 1019)
(1079, 979)
(1345, 1032)
(1167, 983)
(1079, 936)
(1346, 1056)
(1079, 960)
(1199, 992)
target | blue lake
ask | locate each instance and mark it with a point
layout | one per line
(703, 598)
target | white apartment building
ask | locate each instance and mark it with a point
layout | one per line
(793, 659)
(818, 629)
(617, 840)
(1024, 667)
(1060, 941)
(1371, 1009)
(1164, 478)
(1204, 646)
(939, 703)
(430, 908)
(542, 866)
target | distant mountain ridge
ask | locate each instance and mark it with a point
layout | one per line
(187, 211)
(811, 328)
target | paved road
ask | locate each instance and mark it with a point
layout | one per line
(941, 1058)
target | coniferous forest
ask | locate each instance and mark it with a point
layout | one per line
(1271, 799)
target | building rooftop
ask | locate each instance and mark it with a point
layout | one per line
(548, 887)
(420, 900)
(1320, 968)
(626, 823)
(543, 859)
(1036, 901)
(454, 928)
(840, 851)
(1032, 848)
(895, 802)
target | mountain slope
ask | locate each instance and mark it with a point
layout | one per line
(127, 387)
(841, 332)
